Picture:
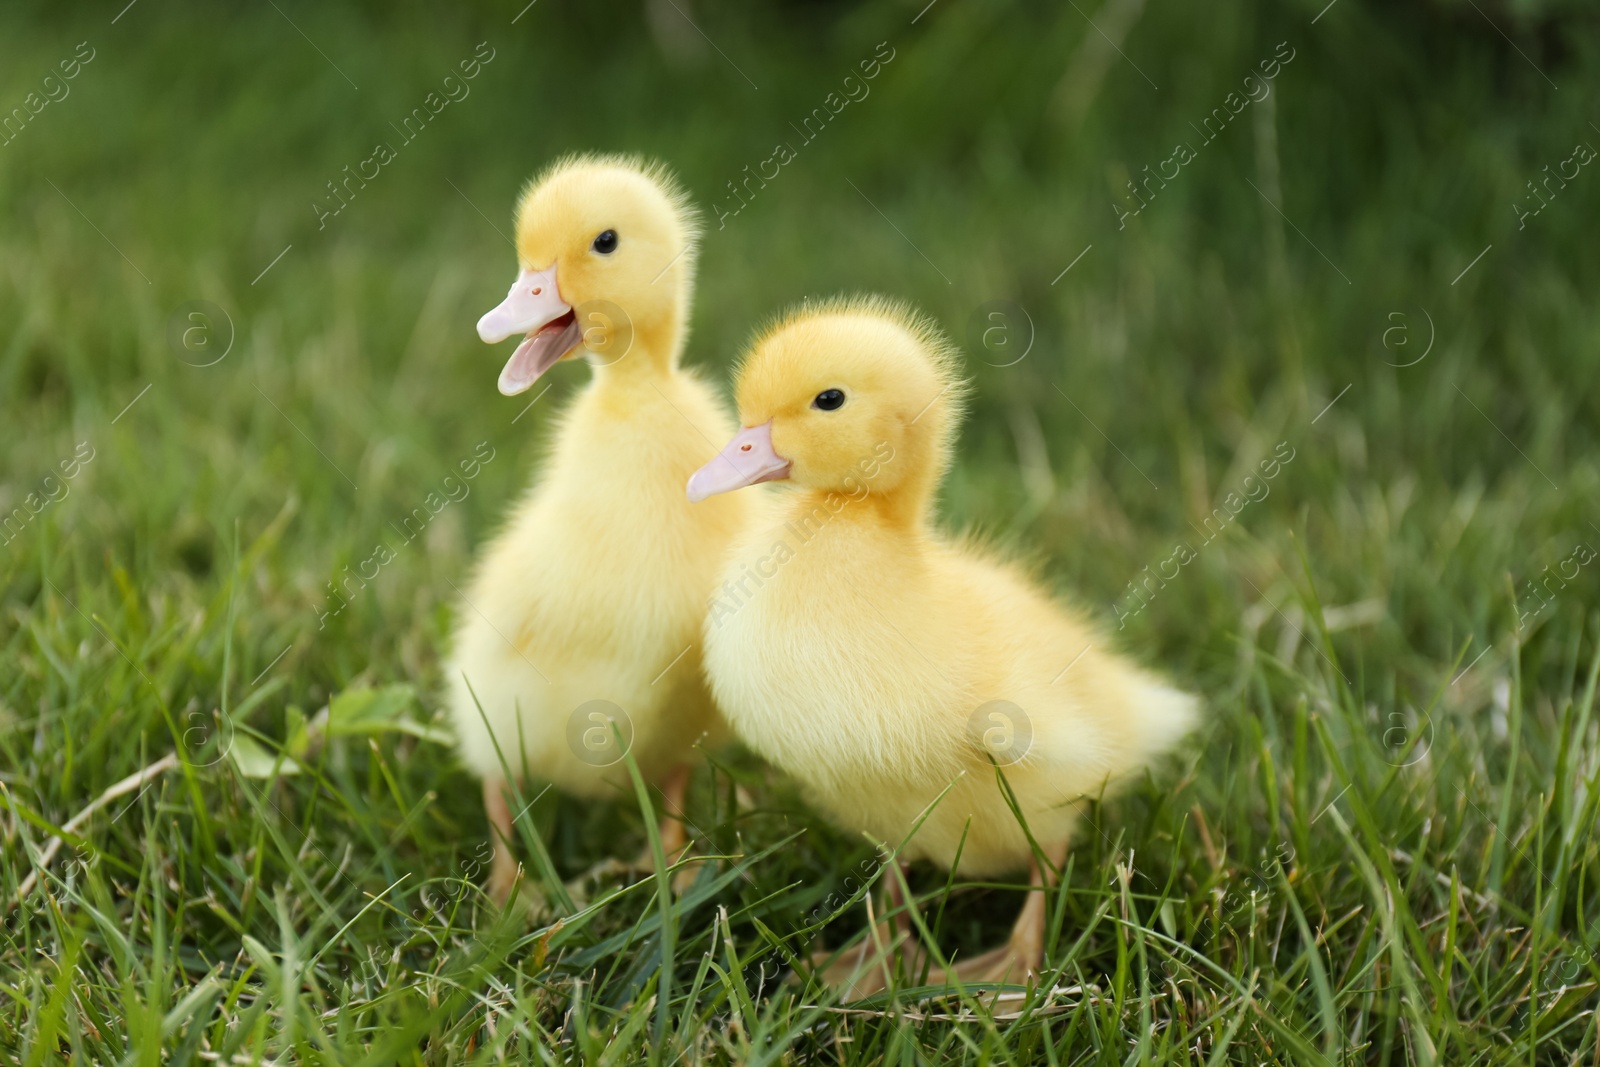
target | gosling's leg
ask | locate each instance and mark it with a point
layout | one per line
(868, 968)
(675, 842)
(1022, 955)
(1028, 933)
(674, 823)
(674, 786)
(504, 870)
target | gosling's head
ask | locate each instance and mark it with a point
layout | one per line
(605, 247)
(856, 395)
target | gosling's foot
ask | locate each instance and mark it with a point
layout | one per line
(1007, 964)
(869, 967)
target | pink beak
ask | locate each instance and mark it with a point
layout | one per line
(747, 459)
(533, 307)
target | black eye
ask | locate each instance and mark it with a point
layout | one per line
(828, 400)
(606, 243)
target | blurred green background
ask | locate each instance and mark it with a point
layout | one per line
(1362, 213)
(998, 143)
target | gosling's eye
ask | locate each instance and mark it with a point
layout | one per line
(828, 400)
(606, 243)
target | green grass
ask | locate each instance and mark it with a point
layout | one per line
(1380, 848)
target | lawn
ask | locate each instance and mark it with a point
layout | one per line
(1176, 242)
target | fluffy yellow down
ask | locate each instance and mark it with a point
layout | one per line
(860, 649)
(596, 587)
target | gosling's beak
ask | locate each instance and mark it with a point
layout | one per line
(746, 460)
(533, 307)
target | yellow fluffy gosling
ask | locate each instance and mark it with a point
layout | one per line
(877, 660)
(592, 596)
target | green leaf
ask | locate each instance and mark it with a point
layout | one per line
(254, 761)
(365, 711)
(298, 738)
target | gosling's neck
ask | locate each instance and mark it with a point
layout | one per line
(902, 509)
(650, 357)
